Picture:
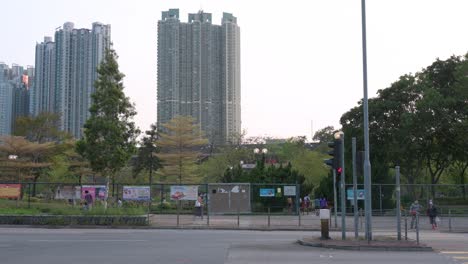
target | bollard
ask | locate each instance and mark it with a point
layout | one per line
(268, 217)
(360, 217)
(29, 195)
(178, 212)
(406, 225)
(417, 228)
(299, 218)
(238, 216)
(450, 220)
(324, 220)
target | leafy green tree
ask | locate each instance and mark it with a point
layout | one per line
(416, 123)
(109, 133)
(325, 134)
(147, 159)
(41, 128)
(180, 143)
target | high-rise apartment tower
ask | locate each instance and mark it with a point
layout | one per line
(199, 73)
(66, 71)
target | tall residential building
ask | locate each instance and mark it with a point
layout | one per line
(14, 96)
(199, 72)
(6, 101)
(43, 90)
(66, 71)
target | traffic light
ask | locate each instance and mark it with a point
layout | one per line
(335, 162)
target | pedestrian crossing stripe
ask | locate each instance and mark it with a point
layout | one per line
(454, 252)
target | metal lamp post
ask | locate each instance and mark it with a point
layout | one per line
(367, 164)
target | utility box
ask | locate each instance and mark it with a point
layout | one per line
(324, 220)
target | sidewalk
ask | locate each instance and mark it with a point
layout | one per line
(293, 222)
(382, 243)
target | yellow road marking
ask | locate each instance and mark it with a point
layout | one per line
(454, 252)
(456, 257)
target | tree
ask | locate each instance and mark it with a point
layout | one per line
(30, 158)
(147, 159)
(325, 134)
(41, 128)
(109, 133)
(180, 144)
(417, 123)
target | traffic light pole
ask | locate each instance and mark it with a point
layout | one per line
(342, 189)
(335, 202)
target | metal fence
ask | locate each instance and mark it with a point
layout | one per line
(240, 205)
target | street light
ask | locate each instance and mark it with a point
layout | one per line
(263, 150)
(15, 157)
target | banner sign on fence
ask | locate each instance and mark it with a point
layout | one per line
(185, 192)
(10, 190)
(97, 192)
(289, 190)
(360, 194)
(270, 192)
(68, 192)
(136, 193)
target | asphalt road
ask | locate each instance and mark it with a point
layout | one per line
(35, 245)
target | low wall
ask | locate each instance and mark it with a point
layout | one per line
(73, 220)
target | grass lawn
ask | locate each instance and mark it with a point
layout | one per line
(57, 207)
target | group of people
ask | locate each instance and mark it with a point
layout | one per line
(306, 204)
(431, 211)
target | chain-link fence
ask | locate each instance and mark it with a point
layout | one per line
(242, 205)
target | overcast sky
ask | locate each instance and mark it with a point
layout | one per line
(301, 61)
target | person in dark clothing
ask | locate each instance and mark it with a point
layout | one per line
(432, 213)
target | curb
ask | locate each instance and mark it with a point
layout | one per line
(365, 248)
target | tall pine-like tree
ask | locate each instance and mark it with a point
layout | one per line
(109, 133)
(180, 149)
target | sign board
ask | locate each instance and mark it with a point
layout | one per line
(136, 193)
(10, 190)
(68, 192)
(267, 192)
(97, 192)
(360, 194)
(289, 190)
(184, 192)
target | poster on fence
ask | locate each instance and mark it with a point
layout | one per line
(186, 192)
(267, 192)
(10, 190)
(360, 194)
(68, 192)
(136, 193)
(289, 190)
(97, 192)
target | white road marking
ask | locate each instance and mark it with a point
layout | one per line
(87, 240)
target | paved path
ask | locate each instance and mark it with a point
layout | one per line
(311, 221)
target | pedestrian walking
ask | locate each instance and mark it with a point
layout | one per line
(290, 204)
(198, 208)
(88, 200)
(307, 203)
(432, 213)
(415, 209)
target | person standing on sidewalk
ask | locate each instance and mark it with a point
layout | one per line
(432, 213)
(198, 208)
(307, 203)
(414, 211)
